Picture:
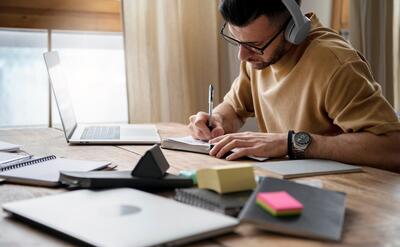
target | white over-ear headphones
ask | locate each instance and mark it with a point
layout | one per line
(299, 26)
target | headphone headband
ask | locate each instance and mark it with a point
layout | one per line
(299, 27)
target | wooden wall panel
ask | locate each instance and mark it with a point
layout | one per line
(88, 15)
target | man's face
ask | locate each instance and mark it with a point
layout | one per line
(258, 33)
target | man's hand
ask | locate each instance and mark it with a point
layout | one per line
(199, 126)
(250, 144)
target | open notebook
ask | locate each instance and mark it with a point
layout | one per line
(190, 144)
(45, 171)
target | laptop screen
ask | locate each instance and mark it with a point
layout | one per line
(60, 89)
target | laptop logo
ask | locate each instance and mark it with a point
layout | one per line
(128, 209)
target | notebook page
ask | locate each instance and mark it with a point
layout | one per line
(190, 140)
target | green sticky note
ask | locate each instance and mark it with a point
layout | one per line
(189, 174)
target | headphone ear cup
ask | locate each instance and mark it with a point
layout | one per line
(289, 31)
(295, 34)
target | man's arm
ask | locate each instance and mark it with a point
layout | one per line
(231, 122)
(363, 148)
(224, 120)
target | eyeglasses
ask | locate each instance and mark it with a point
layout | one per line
(250, 47)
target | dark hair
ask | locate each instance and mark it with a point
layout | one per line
(242, 12)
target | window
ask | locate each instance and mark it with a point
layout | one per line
(95, 66)
(94, 63)
(23, 78)
(91, 52)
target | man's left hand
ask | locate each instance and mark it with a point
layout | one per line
(250, 144)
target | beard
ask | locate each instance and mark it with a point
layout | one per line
(278, 54)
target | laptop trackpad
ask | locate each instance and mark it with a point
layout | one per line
(138, 132)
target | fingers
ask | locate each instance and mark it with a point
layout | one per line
(240, 135)
(244, 144)
(198, 126)
(239, 153)
(227, 144)
(217, 131)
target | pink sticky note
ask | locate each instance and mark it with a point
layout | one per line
(279, 201)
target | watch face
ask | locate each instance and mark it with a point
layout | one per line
(302, 138)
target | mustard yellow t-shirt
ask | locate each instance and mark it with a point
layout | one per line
(321, 86)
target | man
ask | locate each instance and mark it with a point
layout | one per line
(322, 89)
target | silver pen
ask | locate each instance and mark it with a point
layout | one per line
(210, 105)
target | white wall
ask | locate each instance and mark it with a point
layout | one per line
(323, 9)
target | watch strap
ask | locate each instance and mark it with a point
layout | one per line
(290, 144)
(297, 154)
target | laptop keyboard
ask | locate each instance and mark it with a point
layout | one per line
(101, 132)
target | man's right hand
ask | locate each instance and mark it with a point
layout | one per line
(198, 126)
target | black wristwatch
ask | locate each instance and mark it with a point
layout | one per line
(298, 144)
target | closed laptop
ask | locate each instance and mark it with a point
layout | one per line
(122, 217)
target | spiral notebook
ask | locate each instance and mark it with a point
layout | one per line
(45, 171)
(229, 204)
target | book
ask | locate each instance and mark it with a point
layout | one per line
(45, 171)
(322, 216)
(189, 144)
(9, 147)
(229, 204)
(305, 168)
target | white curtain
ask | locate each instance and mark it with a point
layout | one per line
(374, 27)
(172, 53)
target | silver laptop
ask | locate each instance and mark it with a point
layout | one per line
(91, 134)
(122, 217)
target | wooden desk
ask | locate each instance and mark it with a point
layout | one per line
(373, 197)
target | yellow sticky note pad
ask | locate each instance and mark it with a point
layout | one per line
(225, 179)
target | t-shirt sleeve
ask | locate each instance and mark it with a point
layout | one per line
(355, 102)
(239, 96)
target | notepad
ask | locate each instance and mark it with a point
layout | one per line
(279, 203)
(305, 168)
(190, 144)
(45, 171)
(227, 178)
